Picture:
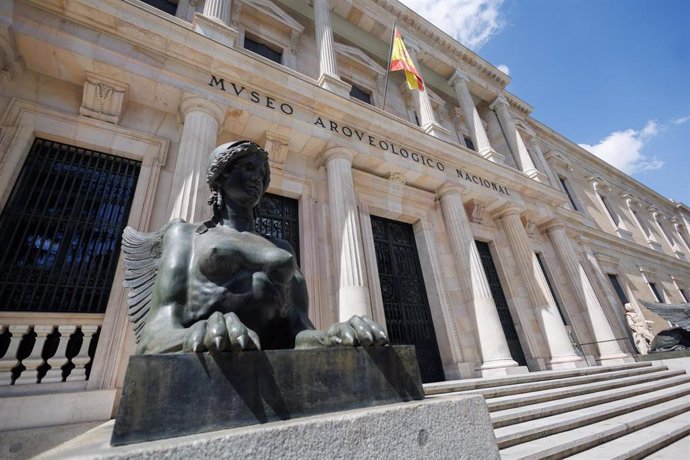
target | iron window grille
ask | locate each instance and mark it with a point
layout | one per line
(62, 228)
(277, 216)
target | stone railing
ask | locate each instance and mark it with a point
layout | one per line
(47, 347)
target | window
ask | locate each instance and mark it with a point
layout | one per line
(550, 286)
(263, 50)
(168, 6)
(469, 143)
(609, 209)
(683, 295)
(642, 224)
(618, 288)
(359, 93)
(656, 292)
(62, 228)
(566, 189)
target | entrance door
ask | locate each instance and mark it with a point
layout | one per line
(408, 317)
(501, 303)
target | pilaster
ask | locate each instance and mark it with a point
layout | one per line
(328, 75)
(214, 22)
(427, 119)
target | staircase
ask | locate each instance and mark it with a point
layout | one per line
(624, 411)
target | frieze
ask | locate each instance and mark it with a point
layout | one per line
(351, 132)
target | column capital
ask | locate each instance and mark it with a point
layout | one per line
(553, 224)
(458, 77)
(508, 209)
(192, 103)
(449, 188)
(499, 103)
(334, 153)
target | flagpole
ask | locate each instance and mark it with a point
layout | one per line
(388, 66)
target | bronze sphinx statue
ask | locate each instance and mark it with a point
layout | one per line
(219, 286)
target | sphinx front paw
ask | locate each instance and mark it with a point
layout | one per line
(221, 333)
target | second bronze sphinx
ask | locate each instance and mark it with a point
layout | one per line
(219, 286)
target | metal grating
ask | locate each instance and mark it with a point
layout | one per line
(405, 304)
(62, 227)
(278, 217)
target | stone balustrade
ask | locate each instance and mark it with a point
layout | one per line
(47, 348)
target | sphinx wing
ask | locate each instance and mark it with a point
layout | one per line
(677, 314)
(142, 256)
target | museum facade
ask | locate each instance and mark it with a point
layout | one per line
(449, 215)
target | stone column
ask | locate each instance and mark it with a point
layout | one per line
(514, 139)
(218, 10)
(609, 349)
(491, 340)
(543, 165)
(328, 77)
(474, 123)
(553, 330)
(214, 22)
(427, 119)
(353, 292)
(188, 193)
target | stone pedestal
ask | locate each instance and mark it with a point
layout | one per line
(182, 394)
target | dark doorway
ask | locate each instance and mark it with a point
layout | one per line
(405, 304)
(501, 303)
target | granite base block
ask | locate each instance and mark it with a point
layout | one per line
(175, 395)
(449, 427)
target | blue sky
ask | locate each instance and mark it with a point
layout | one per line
(611, 75)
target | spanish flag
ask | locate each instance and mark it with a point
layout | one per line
(400, 60)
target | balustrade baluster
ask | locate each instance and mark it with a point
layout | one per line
(10, 361)
(34, 360)
(59, 359)
(82, 358)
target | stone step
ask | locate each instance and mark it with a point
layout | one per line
(678, 449)
(541, 376)
(521, 388)
(535, 397)
(534, 429)
(515, 415)
(640, 444)
(671, 414)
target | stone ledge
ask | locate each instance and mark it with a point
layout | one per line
(455, 427)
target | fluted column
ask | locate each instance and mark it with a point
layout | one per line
(188, 193)
(474, 123)
(493, 346)
(218, 10)
(353, 292)
(427, 119)
(214, 22)
(514, 139)
(543, 165)
(328, 77)
(550, 321)
(608, 347)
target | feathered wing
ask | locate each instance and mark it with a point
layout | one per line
(142, 254)
(676, 314)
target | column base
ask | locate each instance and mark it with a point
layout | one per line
(215, 30)
(334, 84)
(618, 358)
(501, 367)
(566, 362)
(537, 176)
(436, 130)
(493, 155)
